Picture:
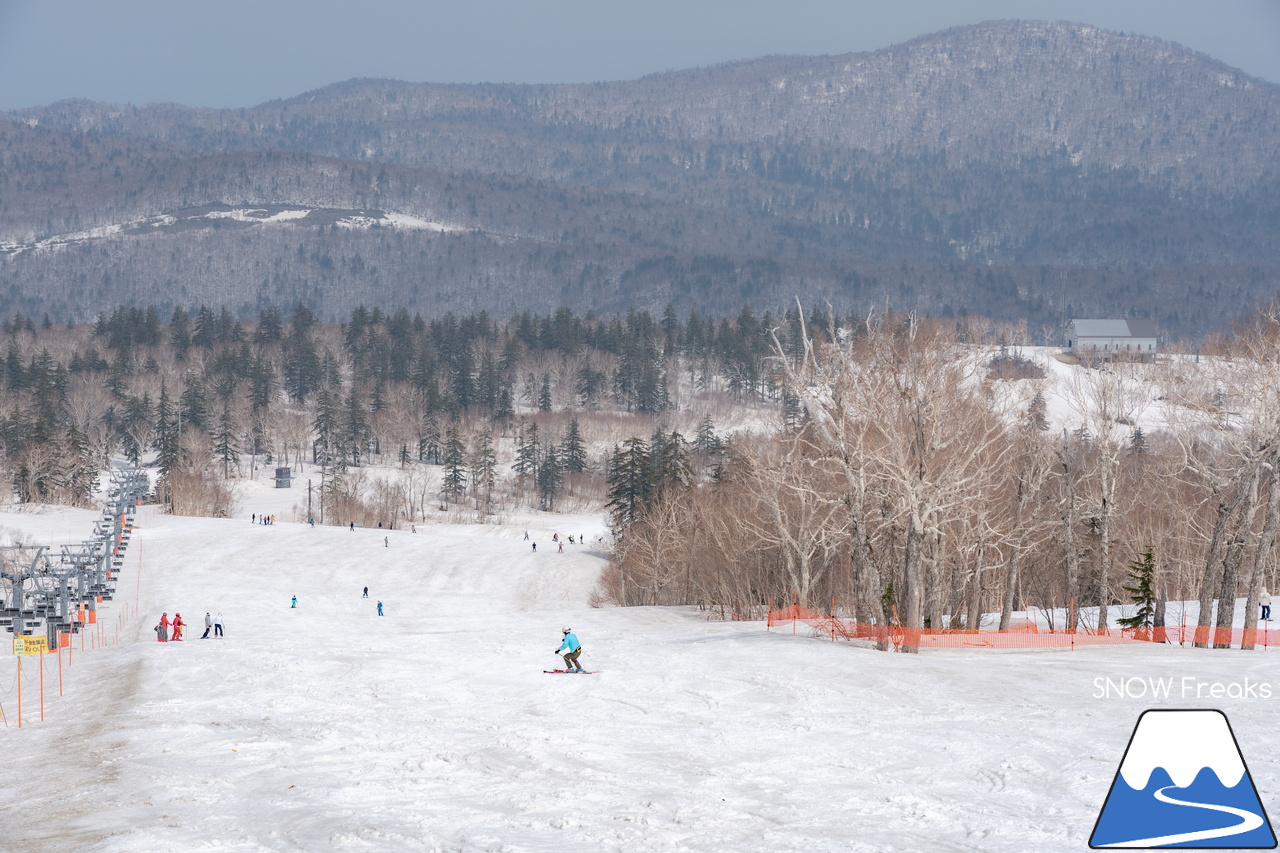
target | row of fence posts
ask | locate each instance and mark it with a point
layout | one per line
(1070, 629)
(63, 591)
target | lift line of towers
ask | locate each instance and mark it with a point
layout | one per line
(60, 592)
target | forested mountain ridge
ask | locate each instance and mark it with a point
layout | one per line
(1009, 168)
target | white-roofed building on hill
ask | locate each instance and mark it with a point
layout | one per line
(1107, 340)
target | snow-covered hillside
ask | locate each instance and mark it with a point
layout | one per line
(433, 728)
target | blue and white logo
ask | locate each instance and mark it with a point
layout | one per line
(1183, 783)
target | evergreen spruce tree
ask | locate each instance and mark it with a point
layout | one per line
(303, 370)
(455, 464)
(573, 450)
(225, 440)
(180, 333)
(1138, 441)
(135, 426)
(463, 385)
(355, 426)
(505, 409)
(484, 472)
(270, 327)
(528, 455)
(166, 440)
(15, 374)
(1142, 572)
(261, 384)
(544, 395)
(80, 472)
(1037, 412)
(705, 440)
(629, 483)
(117, 379)
(193, 405)
(324, 429)
(669, 466)
(550, 476)
(206, 333)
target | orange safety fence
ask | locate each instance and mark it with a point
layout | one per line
(1023, 637)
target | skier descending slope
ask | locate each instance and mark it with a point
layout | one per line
(572, 650)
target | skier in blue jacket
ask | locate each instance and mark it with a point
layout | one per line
(571, 649)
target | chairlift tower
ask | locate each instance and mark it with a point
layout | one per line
(17, 577)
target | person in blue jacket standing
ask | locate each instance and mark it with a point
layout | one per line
(571, 649)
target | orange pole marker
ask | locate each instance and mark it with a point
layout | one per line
(19, 692)
(42, 688)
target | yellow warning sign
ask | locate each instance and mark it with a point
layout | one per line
(30, 645)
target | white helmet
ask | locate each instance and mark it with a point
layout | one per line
(566, 630)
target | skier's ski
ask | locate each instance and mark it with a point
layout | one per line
(567, 672)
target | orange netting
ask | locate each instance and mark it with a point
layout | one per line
(1024, 637)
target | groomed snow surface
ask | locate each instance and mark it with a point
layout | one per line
(433, 728)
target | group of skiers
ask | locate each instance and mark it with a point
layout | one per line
(262, 519)
(555, 537)
(366, 595)
(211, 623)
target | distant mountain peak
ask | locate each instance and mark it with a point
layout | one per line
(1023, 169)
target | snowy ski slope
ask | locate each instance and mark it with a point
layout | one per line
(433, 728)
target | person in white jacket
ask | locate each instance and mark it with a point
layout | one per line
(217, 625)
(1265, 601)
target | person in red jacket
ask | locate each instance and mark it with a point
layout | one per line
(163, 634)
(177, 627)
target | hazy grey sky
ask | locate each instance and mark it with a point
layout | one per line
(231, 53)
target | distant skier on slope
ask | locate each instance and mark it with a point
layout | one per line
(177, 627)
(574, 651)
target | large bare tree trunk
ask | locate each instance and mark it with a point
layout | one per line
(1266, 543)
(1232, 562)
(1104, 563)
(1070, 550)
(866, 572)
(973, 614)
(1213, 563)
(1030, 479)
(934, 580)
(914, 579)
